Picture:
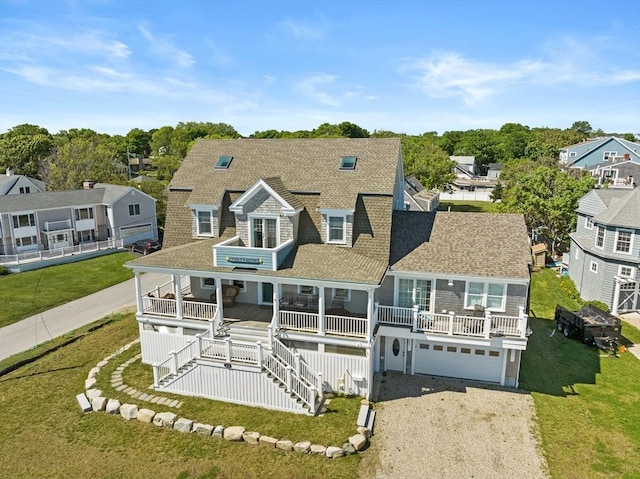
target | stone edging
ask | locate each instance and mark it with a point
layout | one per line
(357, 442)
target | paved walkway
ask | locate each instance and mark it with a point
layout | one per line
(55, 322)
(634, 320)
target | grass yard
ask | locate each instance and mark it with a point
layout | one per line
(472, 206)
(588, 404)
(31, 292)
(42, 420)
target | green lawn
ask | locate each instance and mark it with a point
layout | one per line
(588, 404)
(42, 420)
(28, 293)
(472, 206)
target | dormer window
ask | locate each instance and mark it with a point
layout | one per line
(204, 223)
(348, 163)
(336, 229)
(223, 162)
(264, 232)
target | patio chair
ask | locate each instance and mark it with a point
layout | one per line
(300, 301)
(313, 302)
(286, 300)
(229, 294)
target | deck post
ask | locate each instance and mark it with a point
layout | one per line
(138, 292)
(414, 320)
(371, 308)
(616, 296)
(452, 317)
(321, 327)
(289, 379)
(156, 374)
(199, 350)
(321, 384)
(296, 357)
(174, 362)
(260, 353)
(228, 349)
(487, 324)
(524, 318)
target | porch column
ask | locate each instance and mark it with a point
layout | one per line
(487, 324)
(616, 296)
(321, 330)
(370, 314)
(277, 288)
(139, 305)
(219, 301)
(178, 293)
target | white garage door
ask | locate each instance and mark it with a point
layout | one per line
(466, 362)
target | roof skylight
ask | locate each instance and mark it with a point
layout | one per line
(348, 163)
(223, 162)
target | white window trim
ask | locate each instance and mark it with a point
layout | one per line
(133, 206)
(604, 237)
(609, 154)
(207, 286)
(314, 289)
(573, 153)
(414, 280)
(593, 267)
(198, 232)
(588, 224)
(632, 275)
(485, 293)
(263, 216)
(344, 228)
(346, 299)
(615, 242)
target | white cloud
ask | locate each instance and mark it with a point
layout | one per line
(300, 30)
(165, 48)
(317, 87)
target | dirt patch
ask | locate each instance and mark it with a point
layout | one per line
(436, 427)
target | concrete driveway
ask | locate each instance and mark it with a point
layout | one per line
(55, 322)
(429, 427)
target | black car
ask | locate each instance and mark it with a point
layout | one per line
(145, 246)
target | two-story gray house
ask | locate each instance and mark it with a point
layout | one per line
(51, 220)
(597, 150)
(605, 248)
(296, 270)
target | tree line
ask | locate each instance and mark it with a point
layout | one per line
(532, 182)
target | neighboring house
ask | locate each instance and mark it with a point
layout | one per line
(605, 248)
(598, 150)
(11, 184)
(417, 198)
(616, 173)
(494, 170)
(295, 270)
(468, 177)
(56, 219)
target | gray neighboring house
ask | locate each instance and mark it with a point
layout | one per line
(594, 151)
(417, 198)
(11, 184)
(605, 248)
(56, 219)
(616, 173)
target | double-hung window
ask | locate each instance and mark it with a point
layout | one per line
(600, 237)
(336, 229)
(134, 210)
(20, 221)
(489, 295)
(623, 241)
(264, 232)
(204, 223)
(84, 214)
(588, 223)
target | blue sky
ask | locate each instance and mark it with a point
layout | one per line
(405, 66)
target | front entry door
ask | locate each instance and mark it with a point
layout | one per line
(266, 293)
(395, 354)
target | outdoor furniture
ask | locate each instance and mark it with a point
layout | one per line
(286, 300)
(313, 302)
(300, 301)
(229, 294)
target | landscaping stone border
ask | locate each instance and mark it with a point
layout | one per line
(356, 443)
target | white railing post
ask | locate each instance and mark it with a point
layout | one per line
(320, 383)
(414, 319)
(296, 357)
(260, 353)
(174, 362)
(289, 379)
(156, 375)
(523, 319)
(321, 319)
(487, 324)
(228, 350)
(270, 336)
(452, 316)
(199, 350)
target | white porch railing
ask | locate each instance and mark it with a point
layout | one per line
(339, 325)
(167, 307)
(452, 324)
(299, 321)
(41, 255)
(199, 310)
(346, 326)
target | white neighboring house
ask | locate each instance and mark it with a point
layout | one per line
(295, 270)
(11, 184)
(56, 219)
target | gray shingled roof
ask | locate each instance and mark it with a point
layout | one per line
(304, 165)
(469, 244)
(622, 211)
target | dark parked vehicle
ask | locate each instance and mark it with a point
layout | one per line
(145, 246)
(591, 325)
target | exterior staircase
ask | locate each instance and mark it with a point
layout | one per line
(247, 346)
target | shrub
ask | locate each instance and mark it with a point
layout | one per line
(3, 270)
(569, 287)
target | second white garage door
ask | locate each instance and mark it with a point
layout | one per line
(466, 362)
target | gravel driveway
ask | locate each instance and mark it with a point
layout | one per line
(428, 427)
